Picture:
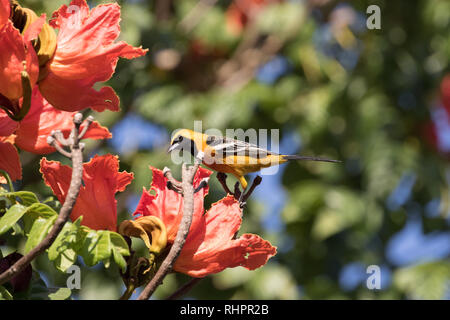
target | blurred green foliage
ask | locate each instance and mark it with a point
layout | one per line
(371, 115)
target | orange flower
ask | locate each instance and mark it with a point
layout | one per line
(210, 246)
(86, 54)
(16, 55)
(65, 65)
(96, 201)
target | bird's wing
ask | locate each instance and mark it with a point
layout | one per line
(228, 147)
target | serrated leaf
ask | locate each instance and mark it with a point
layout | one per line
(60, 294)
(39, 230)
(26, 197)
(11, 217)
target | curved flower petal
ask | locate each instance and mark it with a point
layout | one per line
(96, 201)
(7, 125)
(9, 159)
(5, 10)
(86, 54)
(11, 65)
(150, 229)
(210, 248)
(42, 119)
(168, 205)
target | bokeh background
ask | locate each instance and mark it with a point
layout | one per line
(376, 99)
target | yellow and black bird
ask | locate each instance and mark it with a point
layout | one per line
(231, 156)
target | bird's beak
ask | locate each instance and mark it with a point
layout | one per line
(172, 147)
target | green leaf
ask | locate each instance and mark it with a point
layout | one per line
(60, 294)
(99, 246)
(119, 244)
(39, 230)
(35, 211)
(11, 217)
(119, 249)
(62, 251)
(27, 198)
(103, 247)
(88, 247)
(4, 294)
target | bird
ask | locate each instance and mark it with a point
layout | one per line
(226, 155)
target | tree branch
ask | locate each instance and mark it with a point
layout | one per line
(184, 289)
(183, 229)
(75, 183)
(172, 184)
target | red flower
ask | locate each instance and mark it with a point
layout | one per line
(9, 159)
(7, 125)
(4, 12)
(31, 133)
(42, 119)
(209, 247)
(96, 201)
(86, 54)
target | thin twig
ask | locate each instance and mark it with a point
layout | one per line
(183, 229)
(66, 209)
(88, 122)
(181, 291)
(172, 184)
(52, 141)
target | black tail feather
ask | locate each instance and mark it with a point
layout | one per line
(295, 157)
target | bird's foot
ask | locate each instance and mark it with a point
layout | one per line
(239, 195)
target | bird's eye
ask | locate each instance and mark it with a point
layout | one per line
(180, 138)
